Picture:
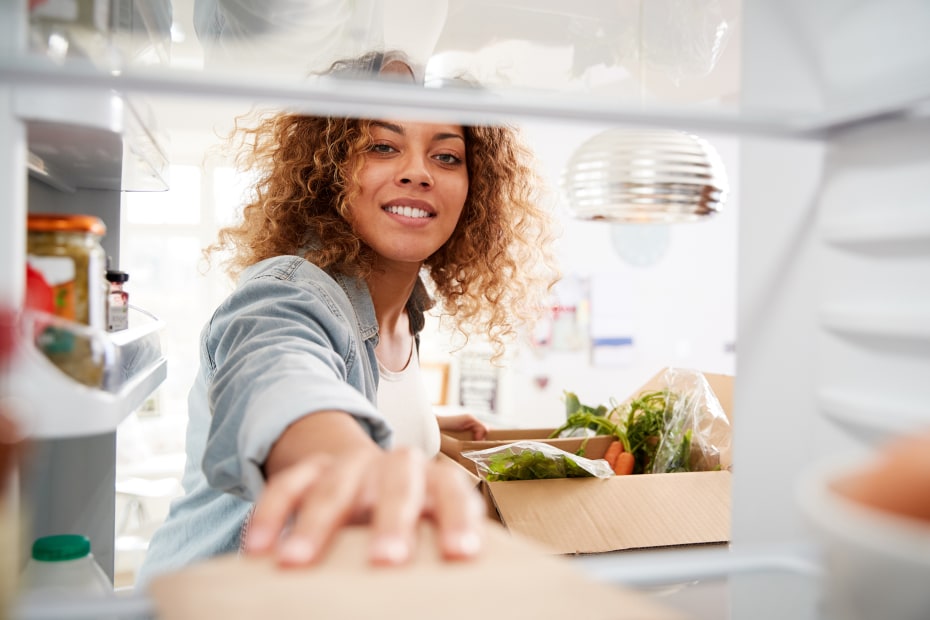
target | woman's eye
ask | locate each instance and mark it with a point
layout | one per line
(382, 148)
(448, 158)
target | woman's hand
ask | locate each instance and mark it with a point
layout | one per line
(307, 499)
(463, 422)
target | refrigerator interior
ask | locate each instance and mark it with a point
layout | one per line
(822, 108)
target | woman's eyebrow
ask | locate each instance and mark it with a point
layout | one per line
(398, 129)
(448, 136)
(389, 126)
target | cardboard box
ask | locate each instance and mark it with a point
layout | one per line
(591, 515)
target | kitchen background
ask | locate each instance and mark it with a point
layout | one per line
(633, 299)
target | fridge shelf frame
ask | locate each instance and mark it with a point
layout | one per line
(361, 97)
(57, 406)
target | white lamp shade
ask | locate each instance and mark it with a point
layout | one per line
(644, 176)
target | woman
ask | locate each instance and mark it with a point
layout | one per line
(291, 432)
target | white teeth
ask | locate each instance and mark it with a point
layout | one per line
(407, 211)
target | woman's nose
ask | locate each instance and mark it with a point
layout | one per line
(414, 172)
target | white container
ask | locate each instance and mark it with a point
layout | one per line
(63, 566)
(876, 564)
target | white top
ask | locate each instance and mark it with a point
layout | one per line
(403, 400)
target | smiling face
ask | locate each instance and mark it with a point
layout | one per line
(414, 182)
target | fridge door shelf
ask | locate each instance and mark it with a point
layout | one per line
(126, 606)
(894, 232)
(72, 380)
(91, 139)
(869, 417)
(878, 320)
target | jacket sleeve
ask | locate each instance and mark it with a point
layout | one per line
(278, 350)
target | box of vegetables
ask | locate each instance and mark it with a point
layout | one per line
(650, 471)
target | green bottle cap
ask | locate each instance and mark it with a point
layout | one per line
(60, 548)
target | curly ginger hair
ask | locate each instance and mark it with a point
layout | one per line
(491, 277)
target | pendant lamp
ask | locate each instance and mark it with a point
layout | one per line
(653, 176)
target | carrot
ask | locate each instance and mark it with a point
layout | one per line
(624, 464)
(613, 450)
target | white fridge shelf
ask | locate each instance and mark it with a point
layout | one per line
(69, 380)
(362, 97)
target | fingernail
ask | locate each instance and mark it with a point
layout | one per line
(464, 544)
(390, 550)
(296, 551)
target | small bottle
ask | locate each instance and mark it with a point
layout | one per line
(63, 565)
(117, 301)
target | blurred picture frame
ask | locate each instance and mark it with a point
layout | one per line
(436, 379)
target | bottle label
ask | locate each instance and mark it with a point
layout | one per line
(117, 317)
(59, 273)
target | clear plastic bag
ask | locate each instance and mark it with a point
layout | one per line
(533, 460)
(696, 431)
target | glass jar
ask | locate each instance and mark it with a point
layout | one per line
(65, 251)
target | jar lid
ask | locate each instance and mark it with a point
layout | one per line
(115, 275)
(60, 548)
(64, 222)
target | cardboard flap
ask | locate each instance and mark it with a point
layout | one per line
(513, 578)
(624, 512)
(722, 385)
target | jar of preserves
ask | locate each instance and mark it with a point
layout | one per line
(65, 251)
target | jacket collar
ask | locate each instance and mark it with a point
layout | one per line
(360, 297)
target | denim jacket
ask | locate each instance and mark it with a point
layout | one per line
(290, 340)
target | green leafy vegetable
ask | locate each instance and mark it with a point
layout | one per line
(681, 461)
(532, 465)
(579, 416)
(645, 426)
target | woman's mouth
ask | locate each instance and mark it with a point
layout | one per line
(405, 211)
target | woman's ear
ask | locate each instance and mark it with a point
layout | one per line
(398, 70)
